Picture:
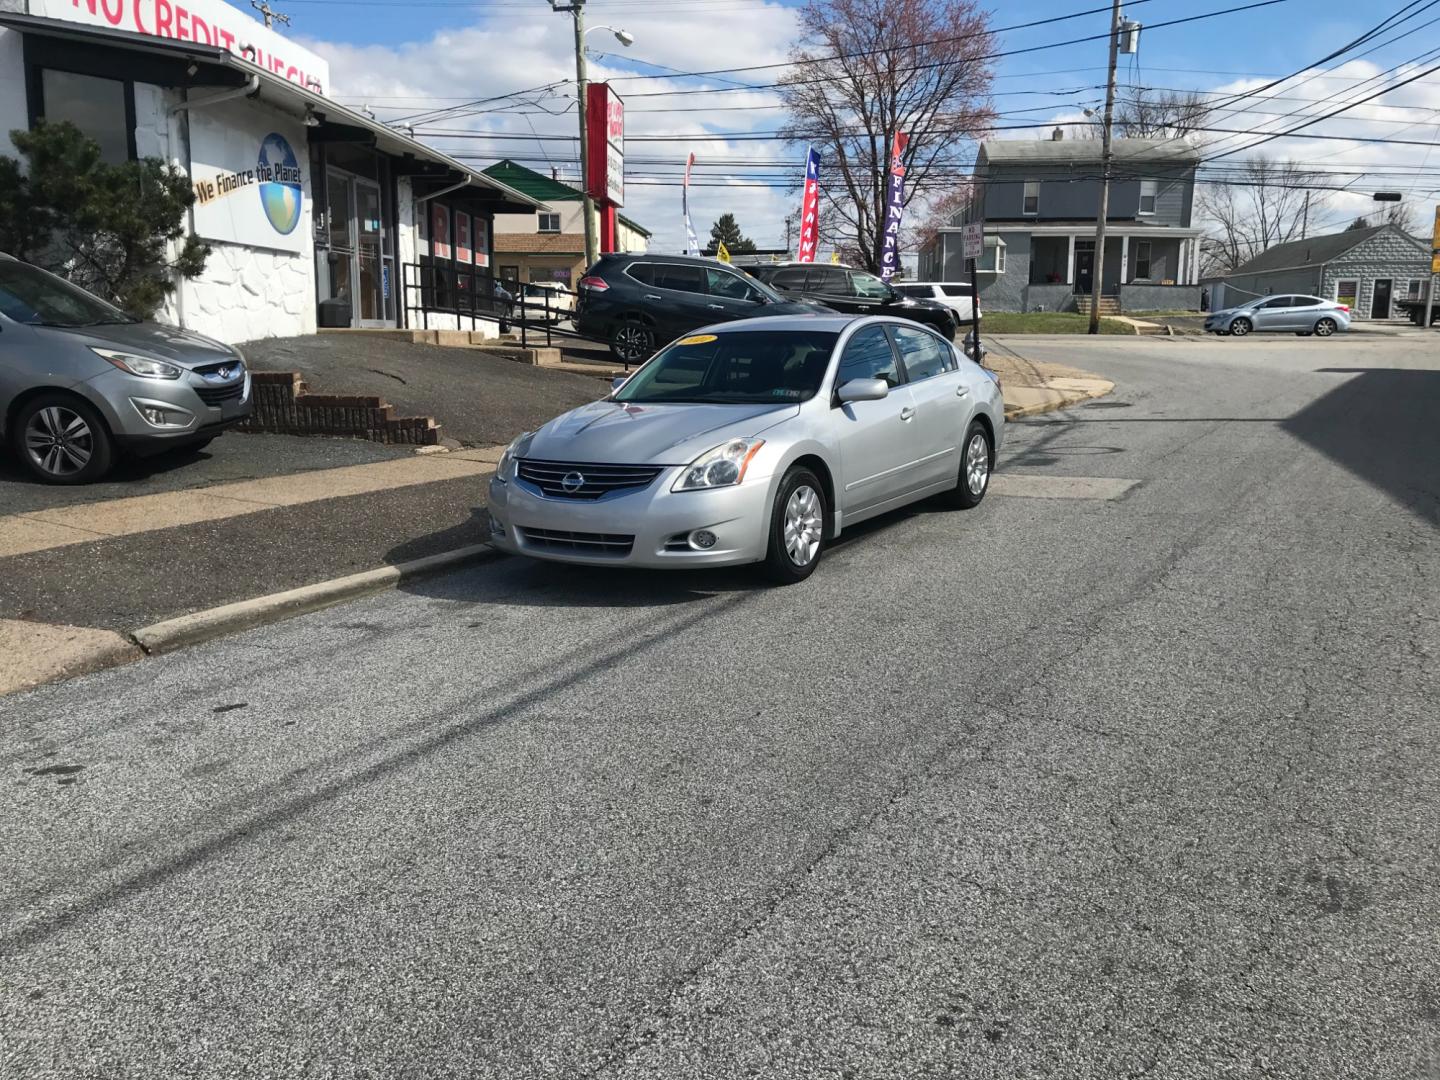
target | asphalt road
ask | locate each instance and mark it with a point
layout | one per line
(1146, 786)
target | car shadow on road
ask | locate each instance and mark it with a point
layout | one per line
(1383, 425)
(127, 468)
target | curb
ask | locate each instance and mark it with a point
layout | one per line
(1020, 412)
(202, 626)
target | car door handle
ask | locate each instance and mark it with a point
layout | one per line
(716, 307)
(907, 413)
(961, 391)
(652, 296)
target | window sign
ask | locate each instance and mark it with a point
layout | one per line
(439, 231)
(249, 174)
(462, 236)
(482, 241)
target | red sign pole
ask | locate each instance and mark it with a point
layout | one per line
(605, 147)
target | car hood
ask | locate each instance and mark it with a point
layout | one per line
(183, 347)
(619, 433)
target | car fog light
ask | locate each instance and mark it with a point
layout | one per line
(703, 539)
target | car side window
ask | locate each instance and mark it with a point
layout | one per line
(1277, 302)
(867, 286)
(679, 278)
(868, 355)
(923, 353)
(828, 282)
(955, 290)
(791, 280)
(642, 272)
(1306, 301)
(732, 286)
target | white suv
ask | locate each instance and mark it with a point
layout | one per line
(953, 294)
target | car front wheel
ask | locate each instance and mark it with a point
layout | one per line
(1241, 327)
(1325, 327)
(62, 440)
(632, 343)
(797, 528)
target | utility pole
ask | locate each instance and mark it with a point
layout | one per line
(1099, 280)
(587, 205)
(1434, 260)
(1305, 218)
(269, 14)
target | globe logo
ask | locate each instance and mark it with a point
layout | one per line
(280, 193)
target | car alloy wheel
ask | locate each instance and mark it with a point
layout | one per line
(1240, 327)
(59, 441)
(1325, 327)
(804, 526)
(633, 343)
(977, 464)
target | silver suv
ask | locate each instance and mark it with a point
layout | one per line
(81, 381)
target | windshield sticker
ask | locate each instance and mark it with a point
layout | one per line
(697, 339)
(783, 392)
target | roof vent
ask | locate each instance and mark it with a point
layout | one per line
(1057, 134)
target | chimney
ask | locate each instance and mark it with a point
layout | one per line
(554, 172)
(1057, 134)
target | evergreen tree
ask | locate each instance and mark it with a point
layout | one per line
(108, 228)
(726, 231)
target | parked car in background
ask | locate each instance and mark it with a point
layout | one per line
(547, 301)
(82, 382)
(638, 302)
(953, 294)
(843, 288)
(752, 442)
(1302, 315)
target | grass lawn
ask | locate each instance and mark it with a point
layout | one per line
(1046, 322)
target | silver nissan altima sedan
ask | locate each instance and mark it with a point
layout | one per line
(753, 442)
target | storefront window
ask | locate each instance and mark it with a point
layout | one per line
(1345, 292)
(555, 275)
(98, 107)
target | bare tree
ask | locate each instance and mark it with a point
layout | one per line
(943, 210)
(881, 67)
(1266, 203)
(1160, 114)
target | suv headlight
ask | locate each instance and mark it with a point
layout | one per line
(723, 466)
(505, 471)
(143, 366)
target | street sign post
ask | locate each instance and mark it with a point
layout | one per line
(1434, 269)
(972, 243)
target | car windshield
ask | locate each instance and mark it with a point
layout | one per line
(30, 295)
(736, 368)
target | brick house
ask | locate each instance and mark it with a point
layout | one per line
(1369, 269)
(549, 246)
(1038, 199)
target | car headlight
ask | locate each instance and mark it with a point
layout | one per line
(505, 471)
(723, 466)
(143, 366)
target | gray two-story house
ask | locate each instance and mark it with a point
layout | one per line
(1039, 199)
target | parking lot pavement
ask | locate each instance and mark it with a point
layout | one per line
(1139, 782)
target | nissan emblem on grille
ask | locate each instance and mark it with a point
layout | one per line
(573, 481)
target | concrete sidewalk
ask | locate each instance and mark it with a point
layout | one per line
(1036, 386)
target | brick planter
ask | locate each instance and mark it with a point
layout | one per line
(284, 407)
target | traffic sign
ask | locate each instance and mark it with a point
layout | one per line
(973, 240)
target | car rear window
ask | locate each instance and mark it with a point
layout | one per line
(745, 367)
(789, 279)
(955, 290)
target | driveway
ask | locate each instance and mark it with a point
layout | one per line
(1138, 778)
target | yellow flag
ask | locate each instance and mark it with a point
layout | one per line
(834, 256)
(722, 252)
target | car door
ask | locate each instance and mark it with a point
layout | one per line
(830, 285)
(677, 299)
(869, 295)
(730, 295)
(876, 439)
(942, 401)
(1273, 314)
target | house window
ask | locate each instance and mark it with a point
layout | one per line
(549, 222)
(100, 108)
(1148, 190)
(1346, 290)
(1032, 197)
(1142, 260)
(1412, 291)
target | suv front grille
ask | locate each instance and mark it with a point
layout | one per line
(614, 545)
(218, 395)
(587, 480)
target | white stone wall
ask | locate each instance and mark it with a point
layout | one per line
(1391, 254)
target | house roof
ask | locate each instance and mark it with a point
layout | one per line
(538, 243)
(1315, 250)
(544, 188)
(1064, 151)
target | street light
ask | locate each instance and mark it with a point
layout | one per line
(576, 8)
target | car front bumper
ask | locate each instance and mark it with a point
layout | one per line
(646, 527)
(187, 414)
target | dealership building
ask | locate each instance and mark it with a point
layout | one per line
(317, 215)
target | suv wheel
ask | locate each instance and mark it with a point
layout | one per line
(632, 342)
(62, 440)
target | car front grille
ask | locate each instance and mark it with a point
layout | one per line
(584, 480)
(612, 545)
(218, 395)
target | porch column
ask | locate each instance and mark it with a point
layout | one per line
(1070, 263)
(1124, 258)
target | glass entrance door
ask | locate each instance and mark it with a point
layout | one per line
(361, 249)
(339, 219)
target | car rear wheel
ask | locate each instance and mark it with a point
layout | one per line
(632, 342)
(1241, 327)
(797, 528)
(1325, 327)
(62, 440)
(977, 458)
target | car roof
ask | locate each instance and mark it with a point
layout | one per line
(811, 321)
(655, 256)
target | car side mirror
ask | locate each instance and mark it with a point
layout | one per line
(863, 390)
(617, 382)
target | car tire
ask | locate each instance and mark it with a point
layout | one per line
(797, 528)
(632, 342)
(1326, 327)
(61, 439)
(977, 461)
(1241, 327)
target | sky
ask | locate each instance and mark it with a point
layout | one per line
(406, 57)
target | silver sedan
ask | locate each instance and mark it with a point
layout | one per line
(1302, 315)
(753, 442)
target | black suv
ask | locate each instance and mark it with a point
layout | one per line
(640, 302)
(854, 292)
